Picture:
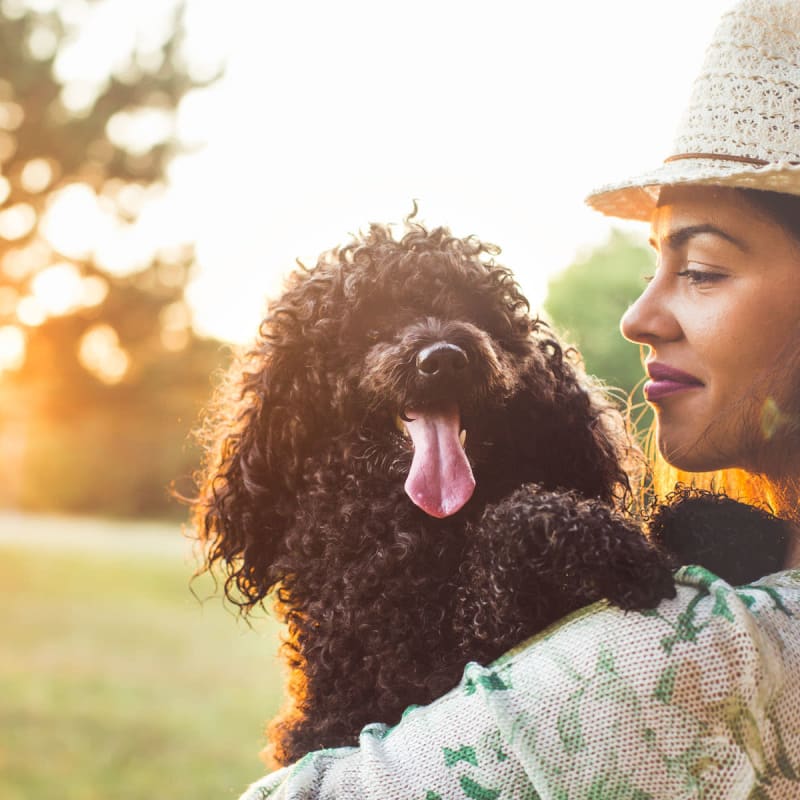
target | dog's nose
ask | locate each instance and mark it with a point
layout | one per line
(442, 360)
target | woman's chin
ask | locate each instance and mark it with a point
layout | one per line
(690, 456)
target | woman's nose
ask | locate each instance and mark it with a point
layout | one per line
(649, 318)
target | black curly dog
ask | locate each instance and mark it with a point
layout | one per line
(338, 475)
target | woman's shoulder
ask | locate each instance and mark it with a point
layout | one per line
(704, 604)
(690, 699)
(719, 664)
(710, 633)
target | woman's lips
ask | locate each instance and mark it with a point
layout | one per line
(665, 380)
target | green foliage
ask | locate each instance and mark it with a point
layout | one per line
(586, 301)
(100, 428)
(116, 681)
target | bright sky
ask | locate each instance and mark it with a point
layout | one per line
(497, 117)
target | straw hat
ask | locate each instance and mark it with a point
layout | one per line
(742, 126)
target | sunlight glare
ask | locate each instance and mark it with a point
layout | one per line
(12, 348)
(175, 340)
(108, 33)
(122, 249)
(8, 301)
(139, 132)
(13, 9)
(100, 353)
(176, 321)
(8, 146)
(36, 175)
(58, 289)
(5, 189)
(73, 12)
(17, 221)
(30, 312)
(130, 198)
(78, 97)
(20, 262)
(42, 42)
(171, 273)
(72, 218)
(150, 60)
(194, 110)
(43, 6)
(11, 115)
(94, 290)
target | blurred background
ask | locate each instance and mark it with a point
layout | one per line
(162, 165)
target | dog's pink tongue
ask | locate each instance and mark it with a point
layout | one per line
(440, 480)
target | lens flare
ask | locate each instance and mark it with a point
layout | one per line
(774, 419)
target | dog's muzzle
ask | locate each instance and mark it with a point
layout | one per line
(442, 361)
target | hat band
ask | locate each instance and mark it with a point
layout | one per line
(757, 162)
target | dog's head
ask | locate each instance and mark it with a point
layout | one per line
(414, 360)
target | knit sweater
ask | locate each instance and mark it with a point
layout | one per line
(699, 698)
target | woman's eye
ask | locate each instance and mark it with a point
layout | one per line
(699, 277)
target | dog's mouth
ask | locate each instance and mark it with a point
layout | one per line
(440, 480)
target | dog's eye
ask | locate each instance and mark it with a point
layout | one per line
(373, 335)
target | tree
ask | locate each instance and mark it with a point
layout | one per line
(101, 375)
(586, 301)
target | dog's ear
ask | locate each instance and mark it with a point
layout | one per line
(577, 428)
(265, 421)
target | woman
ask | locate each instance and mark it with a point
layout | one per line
(721, 319)
(700, 698)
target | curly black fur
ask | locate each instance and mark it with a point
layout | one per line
(303, 489)
(737, 542)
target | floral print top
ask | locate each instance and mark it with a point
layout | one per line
(699, 698)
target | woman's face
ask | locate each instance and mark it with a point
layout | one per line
(720, 317)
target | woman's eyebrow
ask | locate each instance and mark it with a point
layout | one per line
(680, 236)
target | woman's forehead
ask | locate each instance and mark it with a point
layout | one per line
(679, 206)
(686, 214)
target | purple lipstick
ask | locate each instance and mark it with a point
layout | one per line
(665, 381)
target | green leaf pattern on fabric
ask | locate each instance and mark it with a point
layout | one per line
(491, 680)
(475, 791)
(695, 699)
(666, 684)
(610, 787)
(465, 753)
(774, 595)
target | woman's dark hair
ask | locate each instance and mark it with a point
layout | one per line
(779, 207)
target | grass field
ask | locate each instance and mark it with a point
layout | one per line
(115, 681)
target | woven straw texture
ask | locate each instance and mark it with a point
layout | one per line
(745, 104)
(697, 699)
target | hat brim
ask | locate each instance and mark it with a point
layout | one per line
(637, 198)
